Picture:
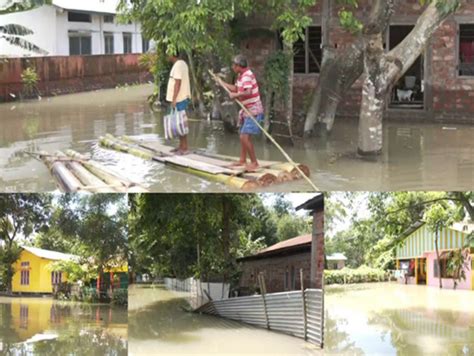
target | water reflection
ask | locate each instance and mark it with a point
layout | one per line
(33, 326)
(412, 157)
(399, 319)
(159, 324)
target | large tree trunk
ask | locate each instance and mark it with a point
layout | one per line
(338, 73)
(197, 87)
(382, 71)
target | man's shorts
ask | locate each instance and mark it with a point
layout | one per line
(183, 105)
(249, 127)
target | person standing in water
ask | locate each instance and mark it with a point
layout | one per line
(246, 90)
(179, 96)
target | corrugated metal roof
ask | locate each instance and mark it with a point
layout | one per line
(336, 257)
(50, 255)
(97, 6)
(422, 240)
(297, 244)
(315, 203)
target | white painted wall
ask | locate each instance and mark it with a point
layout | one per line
(41, 21)
(51, 32)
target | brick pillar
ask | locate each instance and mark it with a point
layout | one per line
(317, 250)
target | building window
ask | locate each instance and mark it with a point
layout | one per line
(466, 50)
(308, 53)
(25, 274)
(56, 278)
(80, 44)
(108, 18)
(444, 268)
(78, 17)
(109, 43)
(127, 42)
(145, 45)
(24, 316)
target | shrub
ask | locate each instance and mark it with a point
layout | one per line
(362, 274)
(120, 297)
(29, 78)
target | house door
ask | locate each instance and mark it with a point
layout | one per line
(409, 92)
(421, 271)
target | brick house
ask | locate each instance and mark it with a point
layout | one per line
(439, 85)
(281, 263)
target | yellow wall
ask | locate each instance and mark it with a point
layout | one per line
(40, 276)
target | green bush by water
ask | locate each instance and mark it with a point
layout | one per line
(362, 274)
(120, 297)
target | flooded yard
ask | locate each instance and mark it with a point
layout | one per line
(159, 324)
(416, 155)
(392, 319)
(42, 326)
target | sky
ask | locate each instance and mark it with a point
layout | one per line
(296, 199)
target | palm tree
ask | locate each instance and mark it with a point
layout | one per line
(14, 33)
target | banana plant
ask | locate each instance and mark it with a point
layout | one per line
(14, 33)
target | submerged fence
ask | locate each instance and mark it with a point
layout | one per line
(202, 290)
(296, 313)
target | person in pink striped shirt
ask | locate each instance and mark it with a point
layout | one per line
(246, 90)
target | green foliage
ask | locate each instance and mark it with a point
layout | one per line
(289, 226)
(29, 79)
(89, 295)
(75, 271)
(10, 6)
(120, 297)
(363, 274)
(276, 74)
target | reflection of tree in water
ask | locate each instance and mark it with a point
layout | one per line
(337, 340)
(407, 327)
(167, 321)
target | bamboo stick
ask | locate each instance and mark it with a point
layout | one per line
(93, 184)
(121, 184)
(66, 181)
(288, 158)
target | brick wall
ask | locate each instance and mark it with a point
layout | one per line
(452, 96)
(274, 270)
(68, 74)
(318, 249)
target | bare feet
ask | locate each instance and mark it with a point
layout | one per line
(182, 152)
(237, 164)
(252, 167)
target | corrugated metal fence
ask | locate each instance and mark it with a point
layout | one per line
(295, 313)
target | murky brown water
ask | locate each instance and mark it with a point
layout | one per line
(159, 325)
(42, 326)
(392, 319)
(416, 156)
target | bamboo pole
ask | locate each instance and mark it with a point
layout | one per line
(288, 158)
(122, 184)
(67, 181)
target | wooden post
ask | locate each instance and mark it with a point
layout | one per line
(416, 270)
(263, 291)
(305, 321)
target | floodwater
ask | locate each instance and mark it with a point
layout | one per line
(416, 156)
(43, 326)
(159, 325)
(393, 319)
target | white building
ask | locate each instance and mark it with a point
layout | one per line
(75, 27)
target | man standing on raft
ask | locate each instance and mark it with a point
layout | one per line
(178, 95)
(246, 91)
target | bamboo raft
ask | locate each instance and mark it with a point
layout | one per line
(213, 167)
(74, 172)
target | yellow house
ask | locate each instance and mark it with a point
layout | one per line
(32, 274)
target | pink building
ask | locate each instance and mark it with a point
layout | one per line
(418, 264)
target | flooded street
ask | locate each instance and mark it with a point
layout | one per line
(395, 319)
(42, 326)
(416, 155)
(158, 324)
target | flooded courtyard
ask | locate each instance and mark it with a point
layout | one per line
(159, 324)
(43, 326)
(416, 155)
(388, 318)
